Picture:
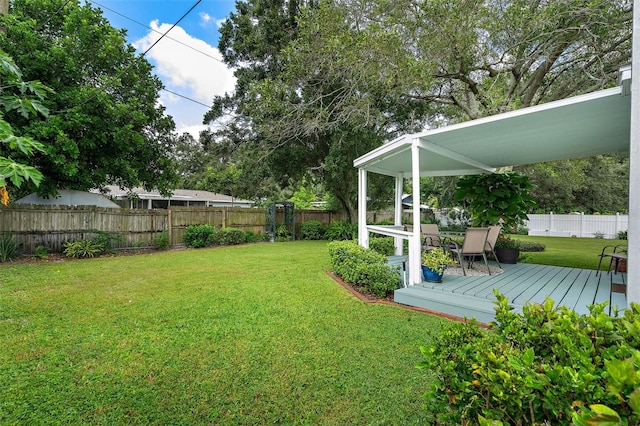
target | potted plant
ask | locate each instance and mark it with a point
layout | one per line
(507, 249)
(434, 263)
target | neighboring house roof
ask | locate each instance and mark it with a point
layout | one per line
(70, 197)
(190, 195)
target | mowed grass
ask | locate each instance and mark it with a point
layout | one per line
(581, 253)
(254, 334)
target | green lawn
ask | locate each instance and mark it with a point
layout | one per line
(571, 252)
(254, 334)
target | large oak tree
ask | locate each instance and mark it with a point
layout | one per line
(357, 72)
(105, 124)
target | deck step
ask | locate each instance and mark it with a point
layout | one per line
(458, 305)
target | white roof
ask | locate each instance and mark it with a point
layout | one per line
(595, 123)
(178, 194)
(70, 197)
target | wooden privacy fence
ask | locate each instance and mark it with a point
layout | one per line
(51, 226)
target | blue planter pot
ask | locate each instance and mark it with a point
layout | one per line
(431, 276)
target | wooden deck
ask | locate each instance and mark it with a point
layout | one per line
(471, 297)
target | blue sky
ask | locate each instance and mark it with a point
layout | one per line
(185, 60)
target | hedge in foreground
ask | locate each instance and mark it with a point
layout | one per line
(363, 267)
(548, 365)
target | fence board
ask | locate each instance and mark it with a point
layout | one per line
(51, 226)
(578, 225)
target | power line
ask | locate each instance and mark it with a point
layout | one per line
(156, 31)
(187, 98)
(145, 52)
(177, 22)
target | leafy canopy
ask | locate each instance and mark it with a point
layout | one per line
(24, 97)
(106, 125)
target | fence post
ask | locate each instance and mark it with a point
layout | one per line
(617, 225)
(169, 226)
(224, 217)
(581, 224)
(550, 224)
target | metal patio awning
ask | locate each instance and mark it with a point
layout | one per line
(595, 123)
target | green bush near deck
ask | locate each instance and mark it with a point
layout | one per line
(383, 245)
(545, 366)
(363, 267)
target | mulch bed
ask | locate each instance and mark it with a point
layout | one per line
(387, 300)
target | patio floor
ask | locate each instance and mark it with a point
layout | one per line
(472, 296)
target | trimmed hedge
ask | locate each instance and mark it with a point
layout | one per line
(383, 245)
(312, 230)
(363, 267)
(530, 246)
(197, 236)
(548, 365)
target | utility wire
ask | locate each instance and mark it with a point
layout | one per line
(54, 14)
(177, 22)
(143, 54)
(156, 31)
(187, 98)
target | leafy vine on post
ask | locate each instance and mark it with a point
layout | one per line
(15, 96)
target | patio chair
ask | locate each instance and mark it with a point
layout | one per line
(615, 254)
(431, 236)
(475, 241)
(494, 233)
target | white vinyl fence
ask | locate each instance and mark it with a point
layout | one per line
(577, 225)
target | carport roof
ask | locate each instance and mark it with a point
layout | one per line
(595, 123)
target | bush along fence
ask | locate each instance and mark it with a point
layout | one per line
(36, 227)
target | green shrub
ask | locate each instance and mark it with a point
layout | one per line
(622, 235)
(363, 267)
(8, 247)
(251, 237)
(340, 231)
(161, 241)
(106, 240)
(196, 236)
(84, 248)
(548, 365)
(383, 245)
(530, 246)
(230, 236)
(312, 230)
(42, 252)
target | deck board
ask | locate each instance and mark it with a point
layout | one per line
(473, 296)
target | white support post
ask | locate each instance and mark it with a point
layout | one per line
(363, 234)
(633, 264)
(415, 271)
(397, 220)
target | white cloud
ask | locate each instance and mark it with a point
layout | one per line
(205, 18)
(190, 67)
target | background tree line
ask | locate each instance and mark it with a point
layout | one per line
(319, 83)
